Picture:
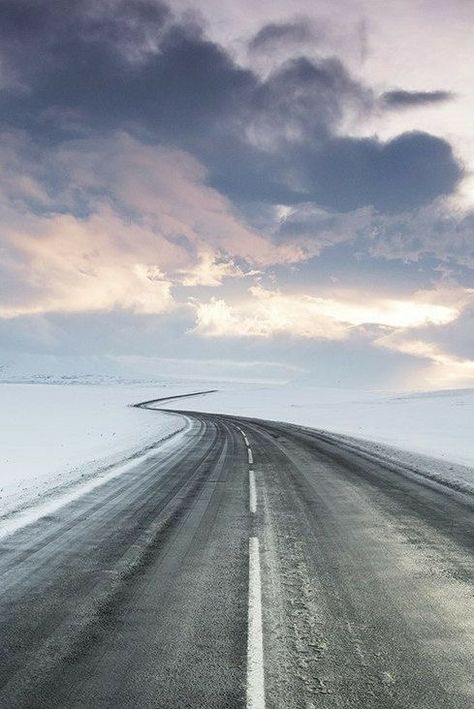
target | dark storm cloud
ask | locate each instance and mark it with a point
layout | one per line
(290, 113)
(307, 97)
(50, 25)
(129, 64)
(413, 99)
(299, 31)
(72, 67)
(409, 170)
(345, 174)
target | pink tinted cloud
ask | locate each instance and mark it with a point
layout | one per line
(124, 222)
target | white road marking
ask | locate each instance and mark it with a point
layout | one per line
(244, 435)
(249, 451)
(255, 674)
(253, 492)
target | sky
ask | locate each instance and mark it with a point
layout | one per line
(229, 189)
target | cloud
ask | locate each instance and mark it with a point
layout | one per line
(268, 313)
(457, 338)
(433, 231)
(445, 343)
(141, 164)
(320, 227)
(297, 32)
(114, 29)
(114, 63)
(412, 328)
(444, 369)
(82, 67)
(400, 99)
(65, 264)
(210, 271)
(301, 99)
(438, 236)
(128, 222)
(394, 176)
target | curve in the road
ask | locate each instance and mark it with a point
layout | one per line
(255, 564)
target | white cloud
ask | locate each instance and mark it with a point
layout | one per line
(439, 230)
(264, 318)
(65, 264)
(267, 313)
(443, 369)
(127, 222)
(209, 271)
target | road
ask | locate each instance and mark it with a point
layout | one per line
(244, 564)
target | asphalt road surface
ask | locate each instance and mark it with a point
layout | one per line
(245, 564)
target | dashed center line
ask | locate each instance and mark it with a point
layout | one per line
(253, 492)
(255, 672)
(245, 436)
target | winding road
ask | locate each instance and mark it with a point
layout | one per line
(244, 564)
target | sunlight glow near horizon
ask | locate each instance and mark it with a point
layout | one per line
(257, 182)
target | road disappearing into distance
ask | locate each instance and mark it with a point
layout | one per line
(244, 563)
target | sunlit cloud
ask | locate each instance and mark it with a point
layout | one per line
(443, 369)
(211, 270)
(247, 156)
(272, 316)
(150, 222)
(70, 265)
(267, 313)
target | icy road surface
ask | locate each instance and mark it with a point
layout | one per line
(244, 564)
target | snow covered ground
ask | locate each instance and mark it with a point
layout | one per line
(54, 436)
(437, 424)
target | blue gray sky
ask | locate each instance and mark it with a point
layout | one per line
(231, 189)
